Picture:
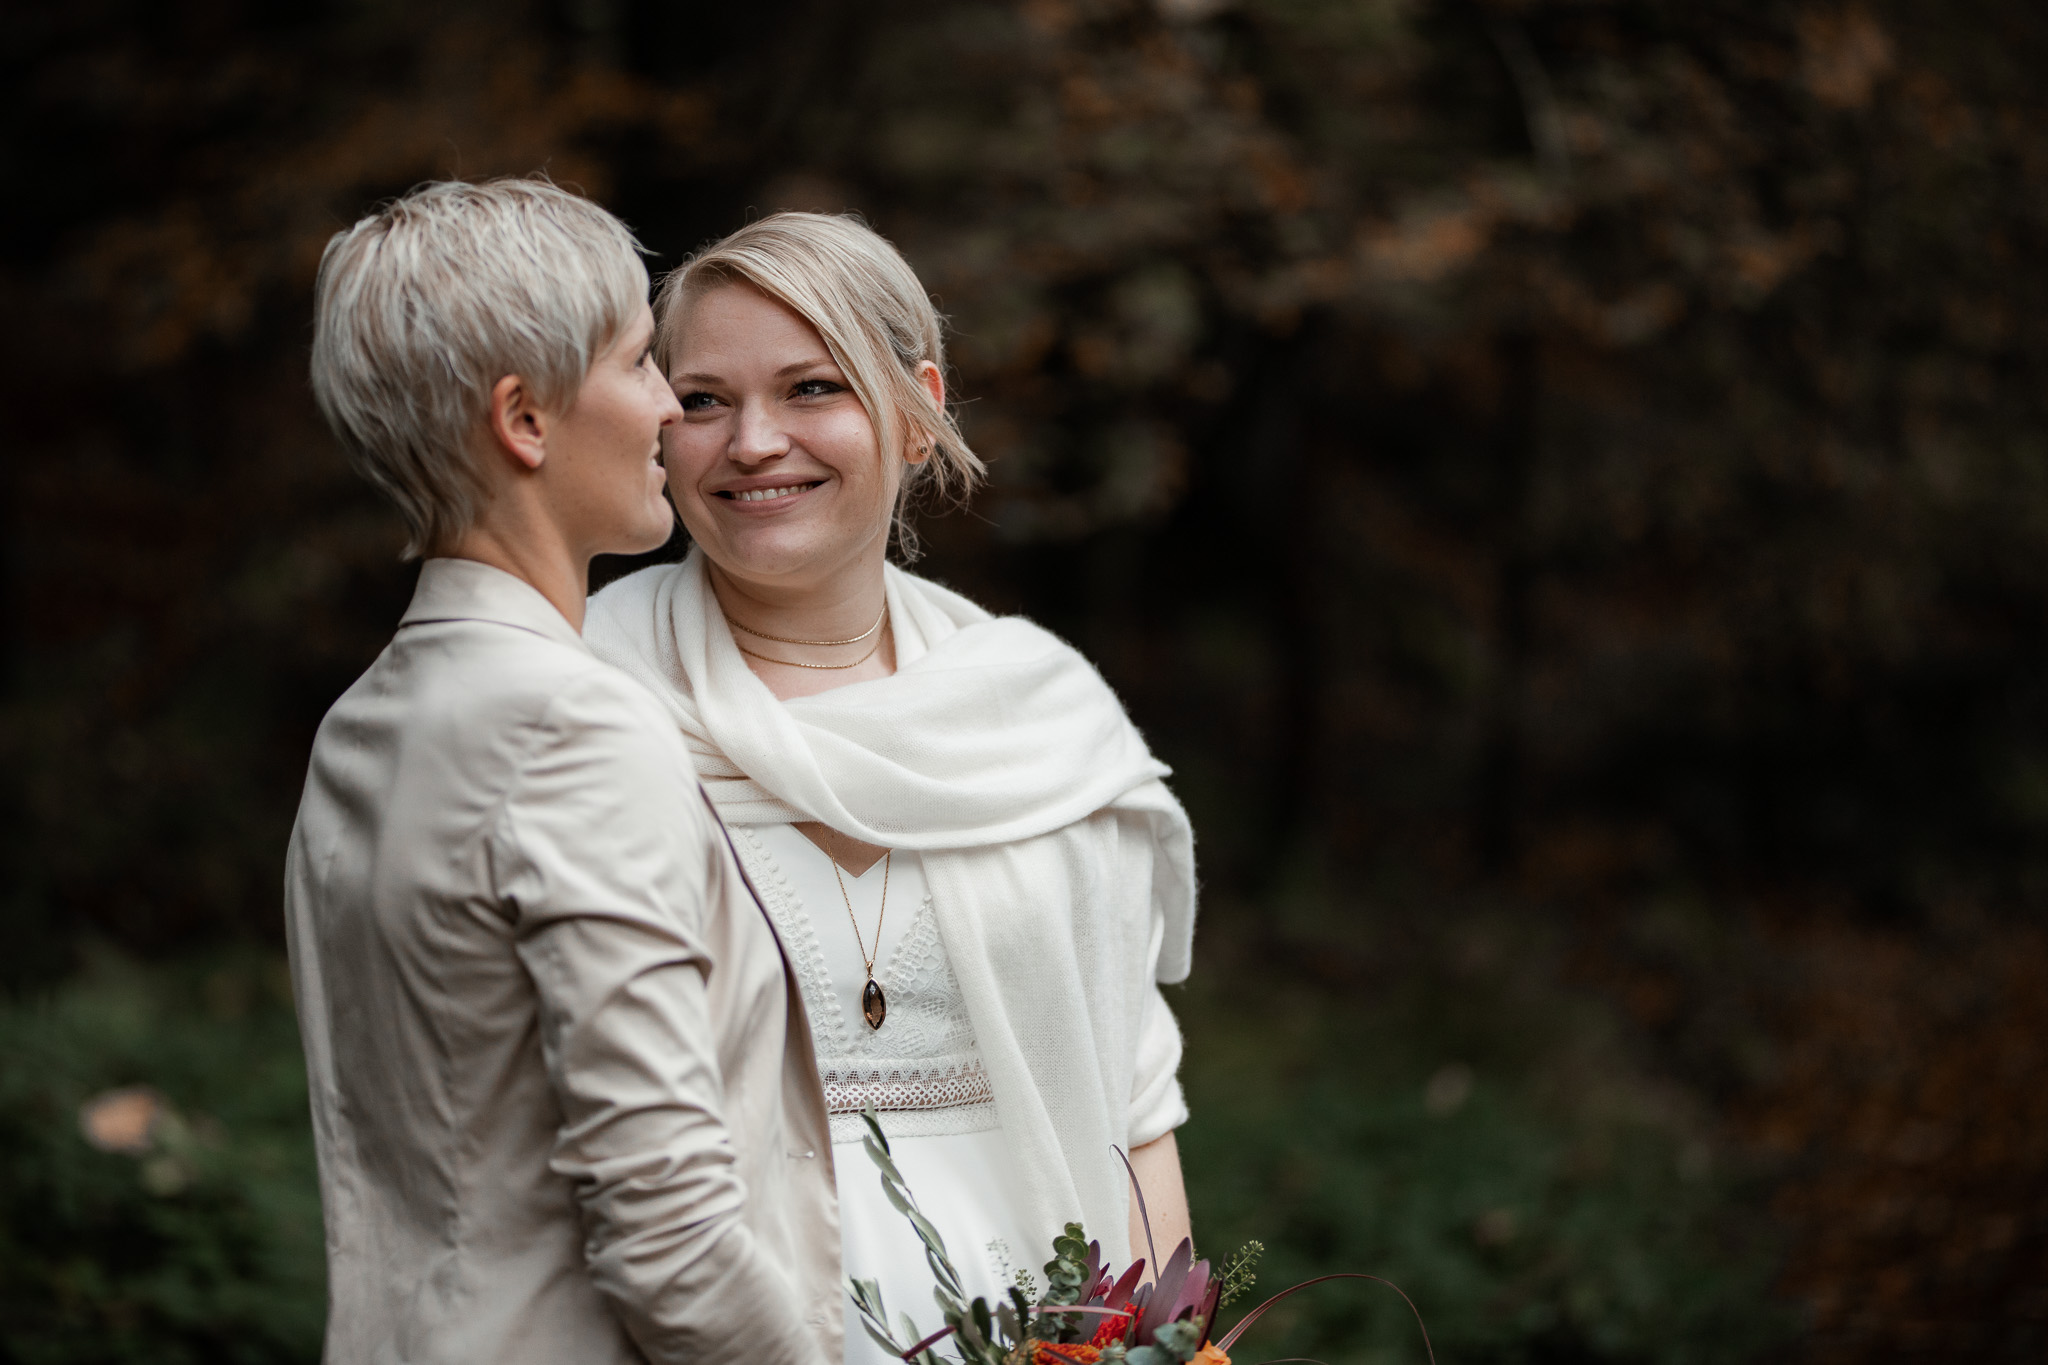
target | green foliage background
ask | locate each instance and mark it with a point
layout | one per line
(207, 1250)
(1561, 480)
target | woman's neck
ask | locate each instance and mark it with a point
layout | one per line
(836, 608)
(804, 639)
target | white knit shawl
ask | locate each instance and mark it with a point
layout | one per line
(1062, 869)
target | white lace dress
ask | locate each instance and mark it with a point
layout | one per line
(922, 1071)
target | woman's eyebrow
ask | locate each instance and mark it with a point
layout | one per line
(794, 367)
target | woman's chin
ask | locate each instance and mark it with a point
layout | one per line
(649, 535)
(771, 553)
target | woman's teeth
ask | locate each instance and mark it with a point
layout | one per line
(770, 494)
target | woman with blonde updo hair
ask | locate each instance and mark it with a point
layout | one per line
(966, 846)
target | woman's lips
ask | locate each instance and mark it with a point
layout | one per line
(775, 494)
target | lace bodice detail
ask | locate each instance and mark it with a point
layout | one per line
(922, 1070)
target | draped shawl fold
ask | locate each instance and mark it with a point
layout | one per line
(1062, 869)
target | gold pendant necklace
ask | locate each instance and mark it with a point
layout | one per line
(874, 1006)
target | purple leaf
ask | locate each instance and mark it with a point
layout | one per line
(1164, 1290)
(1193, 1289)
(1120, 1293)
(1210, 1302)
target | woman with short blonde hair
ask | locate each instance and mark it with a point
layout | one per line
(427, 303)
(968, 848)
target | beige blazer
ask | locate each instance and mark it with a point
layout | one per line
(563, 1090)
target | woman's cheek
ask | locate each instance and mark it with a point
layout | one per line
(851, 439)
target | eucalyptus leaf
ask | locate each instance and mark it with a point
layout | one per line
(927, 1233)
(1182, 1338)
(874, 1123)
(867, 1294)
(948, 1278)
(885, 1342)
(879, 1154)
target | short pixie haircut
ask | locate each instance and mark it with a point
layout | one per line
(422, 307)
(855, 288)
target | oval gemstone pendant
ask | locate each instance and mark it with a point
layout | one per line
(873, 1006)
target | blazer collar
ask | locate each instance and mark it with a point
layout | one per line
(467, 590)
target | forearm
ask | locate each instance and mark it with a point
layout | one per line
(669, 1245)
(643, 1143)
(604, 856)
(1157, 1165)
(716, 1301)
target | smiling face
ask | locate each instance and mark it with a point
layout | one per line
(603, 465)
(774, 467)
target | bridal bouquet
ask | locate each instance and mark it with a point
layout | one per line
(1087, 1315)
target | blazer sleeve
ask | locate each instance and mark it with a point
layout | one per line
(602, 856)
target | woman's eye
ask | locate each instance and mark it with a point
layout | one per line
(696, 402)
(816, 388)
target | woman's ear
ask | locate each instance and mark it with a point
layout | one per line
(519, 427)
(934, 382)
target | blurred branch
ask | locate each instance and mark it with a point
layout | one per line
(1540, 113)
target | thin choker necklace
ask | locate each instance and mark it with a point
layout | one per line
(790, 640)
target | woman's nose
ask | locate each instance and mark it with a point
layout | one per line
(671, 410)
(757, 436)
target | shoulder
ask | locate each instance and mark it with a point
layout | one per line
(601, 706)
(458, 722)
(481, 684)
(932, 596)
(529, 670)
(964, 625)
(622, 615)
(601, 808)
(602, 757)
(448, 682)
(1026, 638)
(1031, 658)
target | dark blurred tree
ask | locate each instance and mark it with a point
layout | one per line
(1612, 428)
(1603, 435)
(192, 570)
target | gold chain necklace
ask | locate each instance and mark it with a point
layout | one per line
(874, 1006)
(790, 640)
(791, 663)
